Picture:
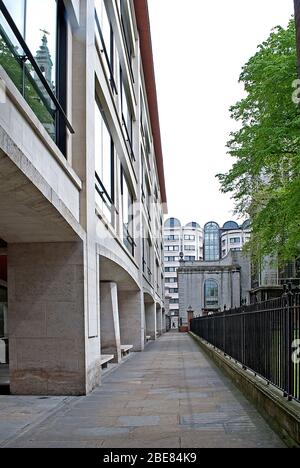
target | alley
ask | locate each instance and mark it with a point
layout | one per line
(170, 396)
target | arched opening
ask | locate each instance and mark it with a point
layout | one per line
(211, 294)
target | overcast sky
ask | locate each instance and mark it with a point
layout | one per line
(200, 47)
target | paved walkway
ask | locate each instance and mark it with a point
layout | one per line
(170, 396)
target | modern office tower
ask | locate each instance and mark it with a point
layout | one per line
(180, 241)
(82, 190)
(219, 241)
(234, 237)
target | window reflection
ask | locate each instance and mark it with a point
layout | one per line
(211, 292)
(212, 242)
(104, 160)
(36, 20)
(127, 212)
(17, 10)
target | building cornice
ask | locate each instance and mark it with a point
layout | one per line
(143, 24)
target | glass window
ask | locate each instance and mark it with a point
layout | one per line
(211, 242)
(17, 10)
(189, 238)
(190, 248)
(172, 248)
(37, 22)
(104, 161)
(235, 240)
(41, 24)
(126, 115)
(127, 211)
(170, 270)
(211, 293)
(40, 35)
(171, 280)
(125, 20)
(105, 36)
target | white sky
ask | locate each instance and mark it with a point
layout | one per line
(200, 47)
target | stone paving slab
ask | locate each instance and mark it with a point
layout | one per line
(170, 396)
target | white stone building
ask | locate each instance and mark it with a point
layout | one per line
(82, 191)
(208, 287)
(179, 240)
(234, 237)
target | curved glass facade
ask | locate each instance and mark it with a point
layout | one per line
(211, 242)
(172, 223)
(231, 225)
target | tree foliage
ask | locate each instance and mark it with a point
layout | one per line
(265, 176)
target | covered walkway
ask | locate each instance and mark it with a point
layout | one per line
(170, 396)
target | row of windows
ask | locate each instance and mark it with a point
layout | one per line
(233, 240)
(174, 301)
(172, 238)
(175, 237)
(106, 165)
(172, 248)
(105, 162)
(113, 67)
(170, 269)
(175, 248)
(172, 259)
(190, 238)
(171, 280)
(172, 290)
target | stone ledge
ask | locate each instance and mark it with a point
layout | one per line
(283, 416)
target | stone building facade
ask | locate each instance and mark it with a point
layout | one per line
(82, 190)
(186, 240)
(208, 287)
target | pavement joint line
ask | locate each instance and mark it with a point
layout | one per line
(65, 404)
(109, 372)
(178, 380)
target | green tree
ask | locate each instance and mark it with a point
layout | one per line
(265, 177)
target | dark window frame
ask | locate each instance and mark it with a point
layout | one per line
(108, 198)
(128, 238)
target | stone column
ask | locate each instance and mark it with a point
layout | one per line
(131, 313)
(159, 321)
(46, 304)
(150, 312)
(109, 320)
(164, 323)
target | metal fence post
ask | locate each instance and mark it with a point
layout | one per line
(290, 366)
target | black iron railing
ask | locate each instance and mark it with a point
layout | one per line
(263, 337)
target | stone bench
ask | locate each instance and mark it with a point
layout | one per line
(105, 359)
(125, 349)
